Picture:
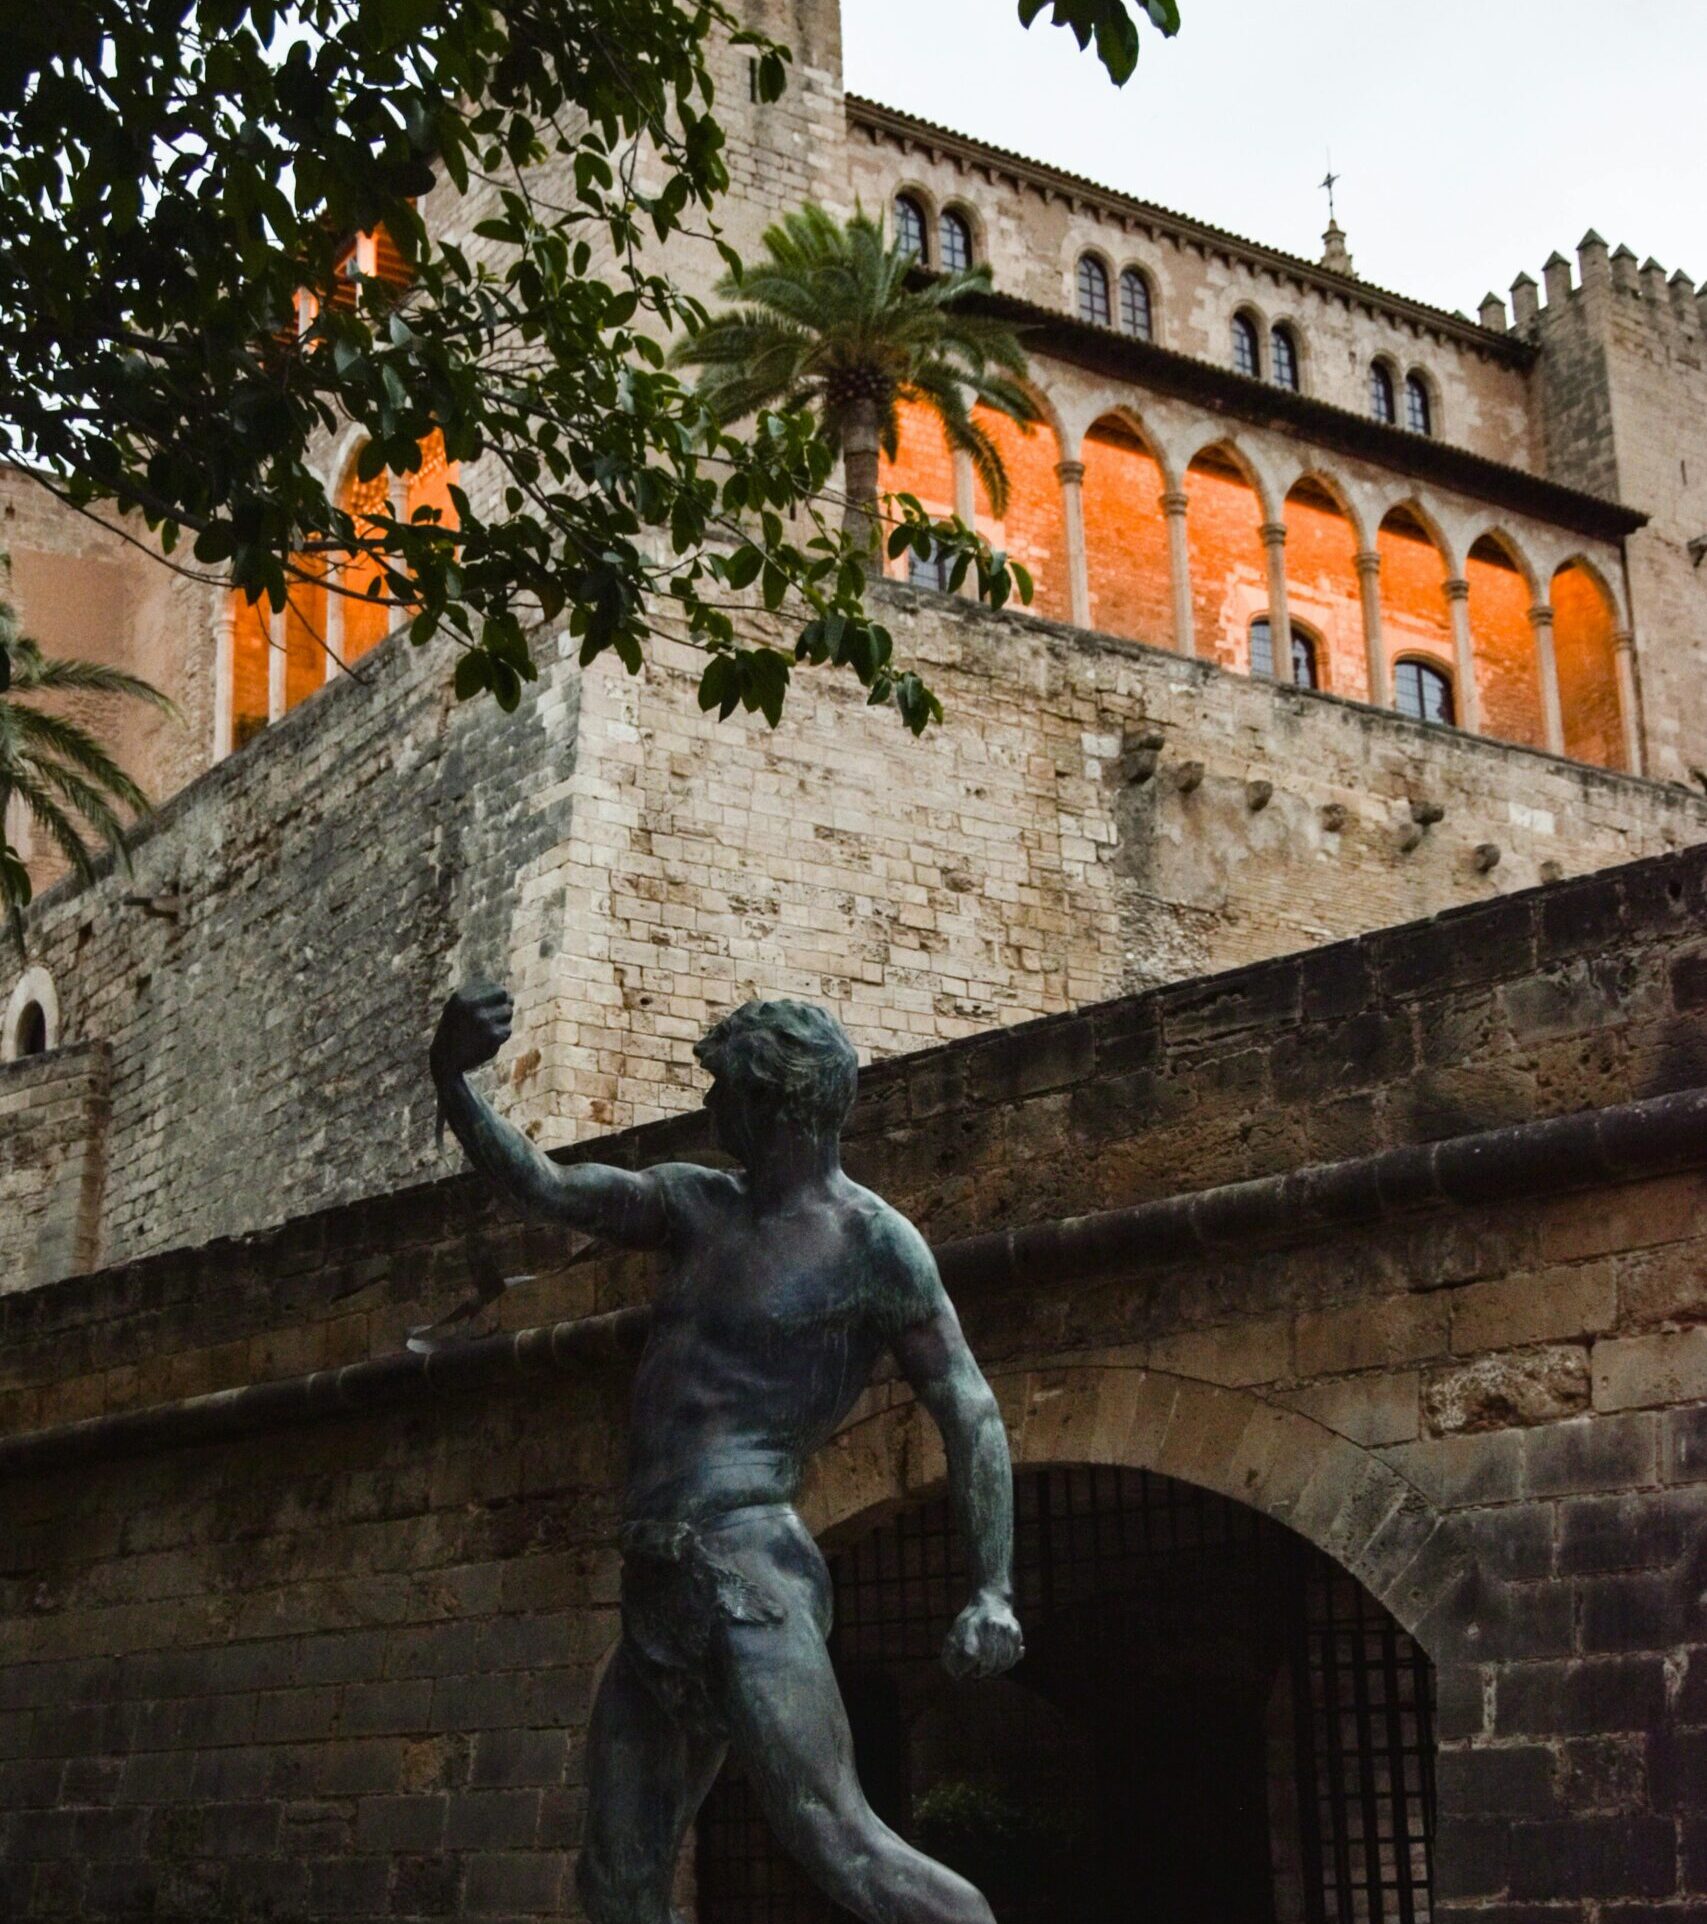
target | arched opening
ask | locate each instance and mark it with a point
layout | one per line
(1415, 620)
(1423, 690)
(910, 226)
(1283, 357)
(1033, 530)
(954, 231)
(1247, 351)
(1383, 404)
(1229, 565)
(29, 1038)
(1321, 585)
(1585, 648)
(1419, 405)
(1508, 679)
(1126, 535)
(1093, 291)
(1213, 1721)
(1137, 306)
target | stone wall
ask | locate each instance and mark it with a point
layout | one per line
(53, 1132)
(344, 1671)
(1093, 817)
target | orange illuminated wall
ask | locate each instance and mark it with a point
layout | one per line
(1126, 537)
(251, 645)
(366, 616)
(1034, 528)
(1229, 565)
(1414, 617)
(1321, 588)
(1583, 630)
(1507, 677)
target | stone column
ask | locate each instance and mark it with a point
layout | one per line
(1279, 619)
(1629, 706)
(1179, 571)
(1463, 655)
(965, 487)
(224, 671)
(1071, 475)
(277, 633)
(1547, 666)
(1368, 562)
(334, 604)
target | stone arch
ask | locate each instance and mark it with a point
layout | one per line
(916, 191)
(32, 1016)
(1503, 589)
(1091, 250)
(1127, 570)
(1288, 323)
(1586, 629)
(1334, 1493)
(974, 219)
(1230, 500)
(1432, 396)
(1148, 276)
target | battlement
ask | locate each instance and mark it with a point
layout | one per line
(1609, 278)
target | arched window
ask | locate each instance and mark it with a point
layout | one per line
(1424, 692)
(910, 226)
(1135, 316)
(1381, 393)
(1419, 412)
(954, 233)
(1093, 290)
(1304, 673)
(1245, 357)
(1283, 357)
(32, 1017)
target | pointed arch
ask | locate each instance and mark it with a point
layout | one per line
(1126, 535)
(1585, 646)
(1503, 590)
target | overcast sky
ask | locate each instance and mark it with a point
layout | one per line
(1474, 136)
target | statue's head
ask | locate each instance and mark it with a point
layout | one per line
(777, 1067)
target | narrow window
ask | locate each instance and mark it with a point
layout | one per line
(1283, 355)
(1303, 660)
(1262, 647)
(1423, 692)
(1093, 290)
(1381, 394)
(1245, 346)
(927, 572)
(1135, 318)
(32, 1030)
(955, 234)
(910, 226)
(1419, 415)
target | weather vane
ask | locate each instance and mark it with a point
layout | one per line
(1328, 180)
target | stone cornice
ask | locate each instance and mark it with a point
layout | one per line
(1625, 1143)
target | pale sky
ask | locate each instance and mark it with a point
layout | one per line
(1474, 136)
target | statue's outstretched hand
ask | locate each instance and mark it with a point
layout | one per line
(475, 1025)
(985, 1640)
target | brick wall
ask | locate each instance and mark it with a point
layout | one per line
(348, 1676)
(632, 869)
(53, 1130)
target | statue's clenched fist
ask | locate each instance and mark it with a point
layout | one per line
(475, 1025)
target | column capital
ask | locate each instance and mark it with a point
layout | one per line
(1541, 615)
(1273, 534)
(1624, 642)
(1367, 561)
(1457, 588)
(1070, 472)
(1174, 500)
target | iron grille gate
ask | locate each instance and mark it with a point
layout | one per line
(1119, 1571)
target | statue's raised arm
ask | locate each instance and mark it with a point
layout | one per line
(621, 1204)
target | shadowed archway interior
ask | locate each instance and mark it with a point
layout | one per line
(1212, 1721)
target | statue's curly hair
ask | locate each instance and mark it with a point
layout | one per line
(793, 1057)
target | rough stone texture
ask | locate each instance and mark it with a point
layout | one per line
(345, 1672)
(53, 1132)
(632, 869)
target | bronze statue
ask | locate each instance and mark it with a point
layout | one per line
(784, 1283)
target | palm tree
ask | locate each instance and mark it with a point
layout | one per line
(831, 319)
(66, 781)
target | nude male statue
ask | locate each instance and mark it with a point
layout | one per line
(784, 1284)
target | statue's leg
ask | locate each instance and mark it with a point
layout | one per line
(647, 1776)
(791, 1733)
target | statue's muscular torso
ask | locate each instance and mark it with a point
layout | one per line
(764, 1333)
